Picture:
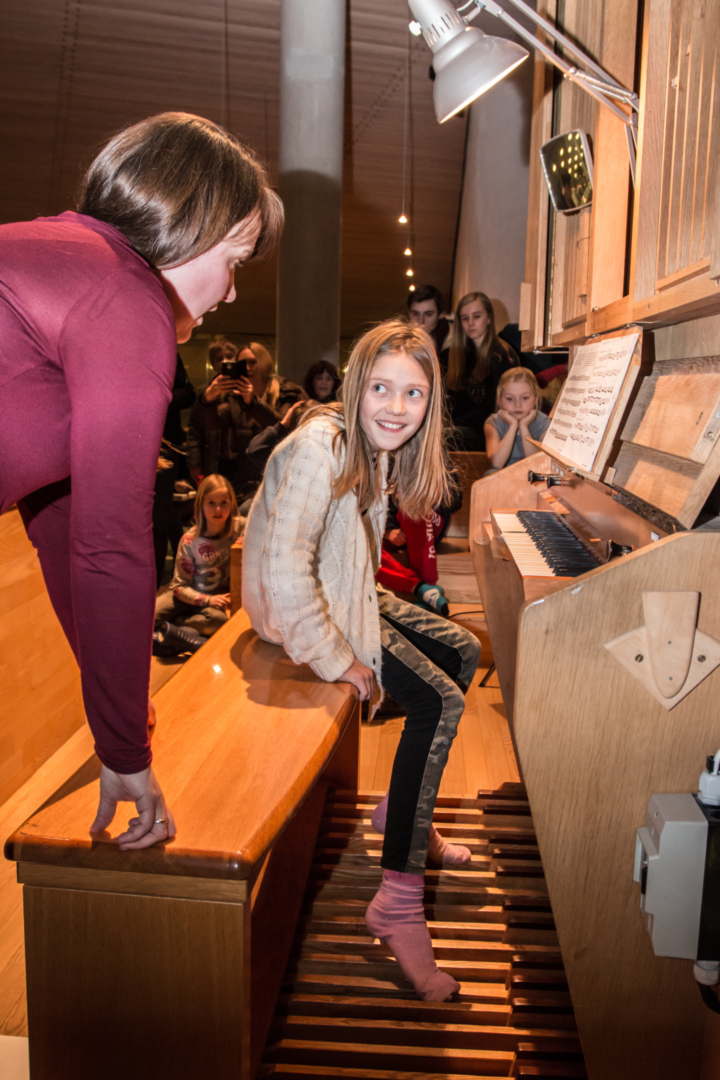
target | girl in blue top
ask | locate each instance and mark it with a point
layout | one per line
(517, 420)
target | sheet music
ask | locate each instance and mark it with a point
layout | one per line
(587, 399)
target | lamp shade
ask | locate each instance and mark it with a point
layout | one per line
(469, 64)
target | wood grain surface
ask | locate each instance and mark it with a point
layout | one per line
(40, 697)
(236, 557)
(250, 734)
(470, 467)
(612, 188)
(536, 242)
(139, 986)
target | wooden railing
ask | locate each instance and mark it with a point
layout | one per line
(166, 962)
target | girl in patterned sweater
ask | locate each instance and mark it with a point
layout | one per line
(199, 593)
(310, 553)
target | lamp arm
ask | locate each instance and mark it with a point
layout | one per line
(568, 70)
(569, 46)
(628, 97)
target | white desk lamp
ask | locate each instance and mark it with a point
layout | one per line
(468, 62)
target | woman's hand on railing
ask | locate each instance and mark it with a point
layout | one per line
(154, 821)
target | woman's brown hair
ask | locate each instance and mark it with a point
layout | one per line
(419, 473)
(457, 375)
(174, 185)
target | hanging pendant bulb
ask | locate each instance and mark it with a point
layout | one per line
(402, 219)
(412, 288)
(410, 273)
(407, 251)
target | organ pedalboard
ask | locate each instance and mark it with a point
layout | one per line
(541, 544)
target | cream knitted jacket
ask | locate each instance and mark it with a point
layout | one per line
(309, 560)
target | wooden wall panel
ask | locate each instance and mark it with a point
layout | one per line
(677, 232)
(582, 21)
(656, 32)
(687, 143)
(674, 265)
(533, 290)
(612, 164)
(36, 664)
(588, 255)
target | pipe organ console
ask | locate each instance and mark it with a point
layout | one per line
(573, 573)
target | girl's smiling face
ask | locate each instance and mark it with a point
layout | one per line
(394, 402)
(517, 399)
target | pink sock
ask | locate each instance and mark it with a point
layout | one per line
(438, 850)
(396, 916)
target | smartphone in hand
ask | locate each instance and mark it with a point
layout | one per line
(234, 369)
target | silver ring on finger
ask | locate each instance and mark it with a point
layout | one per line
(161, 821)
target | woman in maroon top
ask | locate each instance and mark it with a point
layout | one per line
(91, 307)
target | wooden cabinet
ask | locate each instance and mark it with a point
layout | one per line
(676, 226)
(648, 254)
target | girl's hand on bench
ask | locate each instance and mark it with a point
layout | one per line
(361, 677)
(154, 821)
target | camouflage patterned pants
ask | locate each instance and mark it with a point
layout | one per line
(427, 666)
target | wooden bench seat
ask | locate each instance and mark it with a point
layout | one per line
(167, 962)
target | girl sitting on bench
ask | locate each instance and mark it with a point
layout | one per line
(311, 549)
(198, 600)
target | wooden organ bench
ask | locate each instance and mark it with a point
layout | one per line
(166, 963)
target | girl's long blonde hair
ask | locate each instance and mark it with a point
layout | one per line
(419, 472)
(211, 483)
(457, 375)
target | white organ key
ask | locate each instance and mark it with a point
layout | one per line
(528, 559)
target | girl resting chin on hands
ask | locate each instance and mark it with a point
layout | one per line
(518, 419)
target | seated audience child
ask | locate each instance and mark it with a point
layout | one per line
(420, 577)
(322, 382)
(518, 419)
(420, 539)
(198, 600)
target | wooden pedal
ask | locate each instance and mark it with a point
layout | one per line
(346, 1010)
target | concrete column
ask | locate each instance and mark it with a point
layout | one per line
(312, 81)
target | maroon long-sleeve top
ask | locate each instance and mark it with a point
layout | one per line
(87, 358)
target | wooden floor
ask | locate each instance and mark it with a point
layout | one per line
(346, 1011)
(482, 754)
(481, 757)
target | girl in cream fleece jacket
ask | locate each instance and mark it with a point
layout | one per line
(310, 554)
